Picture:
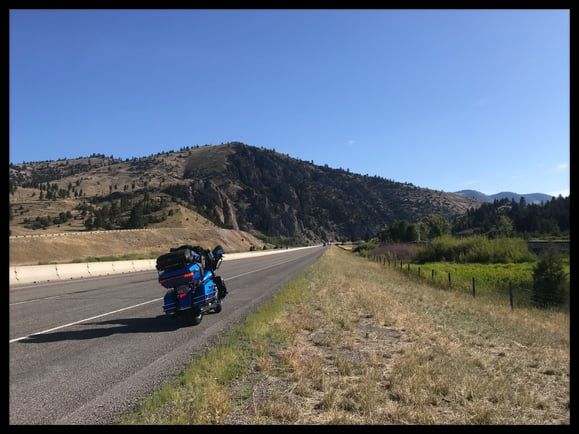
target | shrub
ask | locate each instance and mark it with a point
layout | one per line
(549, 281)
(476, 249)
(364, 247)
(404, 251)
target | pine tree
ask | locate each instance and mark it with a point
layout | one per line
(88, 224)
(137, 218)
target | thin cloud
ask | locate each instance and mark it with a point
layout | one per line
(562, 167)
(351, 142)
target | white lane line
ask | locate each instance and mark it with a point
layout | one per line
(138, 305)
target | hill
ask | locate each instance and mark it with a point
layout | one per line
(233, 186)
(481, 197)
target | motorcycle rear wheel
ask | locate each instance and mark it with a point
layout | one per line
(196, 317)
(217, 308)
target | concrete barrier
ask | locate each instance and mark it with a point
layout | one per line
(33, 274)
(100, 268)
(144, 264)
(72, 271)
(27, 274)
(123, 267)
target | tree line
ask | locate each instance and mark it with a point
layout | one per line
(501, 218)
(125, 213)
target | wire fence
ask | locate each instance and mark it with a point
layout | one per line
(515, 294)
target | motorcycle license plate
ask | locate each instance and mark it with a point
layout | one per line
(182, 291)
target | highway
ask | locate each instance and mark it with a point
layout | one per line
(84, 351)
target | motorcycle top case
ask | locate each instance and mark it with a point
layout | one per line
(186, 275)
(177, 259)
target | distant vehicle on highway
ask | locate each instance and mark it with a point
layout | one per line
(188, 272)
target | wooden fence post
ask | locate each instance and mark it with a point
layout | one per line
(473, 288)
(419, 272)
(449, 281)
(432, 275)
(511, 295)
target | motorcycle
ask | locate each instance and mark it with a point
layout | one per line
(188, 272)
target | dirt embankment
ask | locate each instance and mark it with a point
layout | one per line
(67, 247)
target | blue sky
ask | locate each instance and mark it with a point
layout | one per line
(443, 99)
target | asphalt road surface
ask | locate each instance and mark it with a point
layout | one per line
(82, 352)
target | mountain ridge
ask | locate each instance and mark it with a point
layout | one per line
(234, 185)
(536, 198)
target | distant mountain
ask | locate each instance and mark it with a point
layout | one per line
(233, 185)
(475, 195)
(481, 197)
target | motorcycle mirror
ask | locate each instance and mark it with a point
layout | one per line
(218, 251)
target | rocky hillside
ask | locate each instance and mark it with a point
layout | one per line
(233, 185)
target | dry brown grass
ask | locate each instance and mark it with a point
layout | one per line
(376, 347)
(70, 247)
(353, 342)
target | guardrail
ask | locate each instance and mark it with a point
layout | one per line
(27, 274)
(75, 233)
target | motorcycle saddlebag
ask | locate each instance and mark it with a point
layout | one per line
(221, 288)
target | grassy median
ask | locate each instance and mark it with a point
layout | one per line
(350, 341)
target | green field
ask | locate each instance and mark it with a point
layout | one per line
(491, 280)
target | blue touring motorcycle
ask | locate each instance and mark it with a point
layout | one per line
(188, 272)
